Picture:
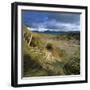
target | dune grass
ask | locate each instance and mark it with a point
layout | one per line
(48, 55)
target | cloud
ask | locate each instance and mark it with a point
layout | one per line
(53, 25)
(66, 17)
(52, 21)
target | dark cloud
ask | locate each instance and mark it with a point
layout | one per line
(66, 17)
(51, 20)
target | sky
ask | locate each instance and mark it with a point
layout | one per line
(52, 21)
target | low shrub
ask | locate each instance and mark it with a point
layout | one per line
(49, 46)
(73, 66)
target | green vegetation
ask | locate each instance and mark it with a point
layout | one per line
(69, 36)
(49, 46)
(37, 43)
(48, 55)
(73, 67)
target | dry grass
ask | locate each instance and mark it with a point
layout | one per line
(48, 56)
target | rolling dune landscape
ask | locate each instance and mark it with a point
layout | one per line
(50, 44)
(47, 54)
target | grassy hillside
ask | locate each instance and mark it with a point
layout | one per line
(48, 55)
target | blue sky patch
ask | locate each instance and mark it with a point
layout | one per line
(52, 21)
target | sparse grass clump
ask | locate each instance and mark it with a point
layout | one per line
(49, 46)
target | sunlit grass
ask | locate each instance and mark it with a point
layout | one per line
(49, 55)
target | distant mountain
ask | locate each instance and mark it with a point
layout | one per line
(58, 32)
